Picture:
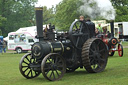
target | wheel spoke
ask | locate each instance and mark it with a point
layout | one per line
(28, 72)
(49, 60)
(27, 59)
(52, 59)
(47, 68)
(53, 74)
(76, 26)
(47, 72)
(94, 66)
(30, 60)
(56, 60)
(95, 46)
(81, 27)
(59, 61)
(36, 73)
(31, 74)
(77, 34)
(92, 50)
(77, 41)
(98, 43)
(92, 61)
(90, 56)
(25, 70)
(24, 66)
(25, 62)
(60, 66)
(57, 73)
(82, 40)
(60, 69)
(102, 50)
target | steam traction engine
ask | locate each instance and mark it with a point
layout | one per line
(67, 52)
(112, 43)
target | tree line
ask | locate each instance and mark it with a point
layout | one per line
(15, 14)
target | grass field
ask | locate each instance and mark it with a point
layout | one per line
(125, 43)
(116, 73)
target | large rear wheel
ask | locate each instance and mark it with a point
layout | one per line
(94, 55)
(79, 33)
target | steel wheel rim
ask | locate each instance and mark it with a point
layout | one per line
(53, 67)
(25, 69)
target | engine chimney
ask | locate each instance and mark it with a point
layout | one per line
(112, 28)
(39, 23)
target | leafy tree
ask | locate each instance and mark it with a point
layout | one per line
(121, 7)
(48, 15)
(66, 13)
(19, 13)
(0, 32)
(2, 20)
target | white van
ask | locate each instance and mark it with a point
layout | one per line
(123, 30)
(20, 42)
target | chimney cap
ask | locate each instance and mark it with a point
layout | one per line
(38, 8)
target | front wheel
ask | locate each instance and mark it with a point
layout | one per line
(25, 68)
(53, 67)
(120, 50)
(111, 53)
(19, 50)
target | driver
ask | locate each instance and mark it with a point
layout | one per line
(91, 27)
(82, 18)
(90, 24)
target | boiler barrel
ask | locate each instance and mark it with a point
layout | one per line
(41, 49)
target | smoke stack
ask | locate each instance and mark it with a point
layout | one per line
(39, 22)
(112, 28)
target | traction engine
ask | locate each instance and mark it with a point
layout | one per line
(111, 42)
(61, 53)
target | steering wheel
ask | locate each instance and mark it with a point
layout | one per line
(79, 33)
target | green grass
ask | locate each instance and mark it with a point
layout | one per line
(116, 73)
(125, 43)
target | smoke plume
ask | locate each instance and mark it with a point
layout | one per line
(98, 8)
